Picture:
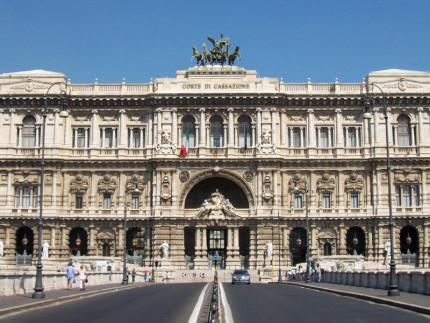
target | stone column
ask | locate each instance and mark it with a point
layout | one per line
(149, 141)
(230, 128)
(273, 113)
(202, 128)
(122, 130)
(282, 126)
(175, 126)
(258, 129)
(342, 239)
(259, 188)
(275, 188)
(12, 134)
(94, 142)
(426, 244)
(338, 130)
(369, 240)
(311, 132)
(10, 192)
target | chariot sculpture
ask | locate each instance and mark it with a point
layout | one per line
(218, 55)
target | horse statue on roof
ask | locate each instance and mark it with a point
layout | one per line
(232, 57)
(197, 56)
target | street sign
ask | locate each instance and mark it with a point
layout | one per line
(215, 256)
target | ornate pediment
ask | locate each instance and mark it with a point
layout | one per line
(134, 182)
(406, 176)
(107, 184)
(325, 183)
(79, 184)
(216, 206)
(354, 183)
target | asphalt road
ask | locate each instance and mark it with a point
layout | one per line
(152, 303)
(285, 303)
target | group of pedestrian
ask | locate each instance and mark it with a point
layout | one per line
(300, 273)
(72, 273)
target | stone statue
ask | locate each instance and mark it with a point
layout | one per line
(216, 205)
(45, 250)
(164, 250)
(269, 250)
(388, 249)
(1, 248)
(197, 56)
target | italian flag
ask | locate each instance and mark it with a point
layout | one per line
(185, 143)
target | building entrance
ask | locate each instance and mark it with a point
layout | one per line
(216, 239)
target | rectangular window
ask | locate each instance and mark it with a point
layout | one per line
(108, 142)
(17, 196)
(216, 142)
(135, 201)
(35, 197)
(354, 200)
(107, 203)
(325, 139)
(298, 202)
(26, 197)
(407, 196)
(79, 202)
(296, 138)
(398, 200)
(416, 196)
(352, 139)
(326, 200)
(80, 137)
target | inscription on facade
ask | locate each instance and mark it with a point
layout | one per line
(215, 86)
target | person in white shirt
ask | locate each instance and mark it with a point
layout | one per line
(82, 277)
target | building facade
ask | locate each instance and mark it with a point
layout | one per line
(261, 157)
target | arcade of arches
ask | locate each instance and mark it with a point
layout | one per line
(238, 240)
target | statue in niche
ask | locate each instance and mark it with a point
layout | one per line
(269, 250)
(164, 250)
(45, 250)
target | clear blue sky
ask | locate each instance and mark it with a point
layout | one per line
(139, 40)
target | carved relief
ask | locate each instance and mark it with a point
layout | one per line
(166, 146)
(354, 183)
(165, 188)
(107, 184)
(265, 146)
(325, 183)
(298, 181)
(267, 188)
(407, 176)
(184, 176)
(248, 176)
(79, 184)
(134, 182)
(26, 179)
(216, 206)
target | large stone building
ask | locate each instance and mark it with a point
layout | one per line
(260, 151)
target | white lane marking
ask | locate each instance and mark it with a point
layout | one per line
(195, 315)
(228, 317)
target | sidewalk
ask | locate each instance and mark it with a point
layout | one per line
(16, 303)
(411, 301)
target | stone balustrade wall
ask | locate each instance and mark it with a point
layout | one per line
(412, 282)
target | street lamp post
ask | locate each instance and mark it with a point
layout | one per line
(279, 248)
(299, 241)
(153, 247)
(124, 272)
(64, 94)
(393, 289)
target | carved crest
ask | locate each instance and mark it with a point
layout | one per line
(325, 183)
(79, 184)
(134, 182)
(216, 206)
(353, 183)
(165, 188)
(107, 184)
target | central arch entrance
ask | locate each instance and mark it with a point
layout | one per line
(226, 187)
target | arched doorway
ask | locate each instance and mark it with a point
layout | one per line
(135, 242)
(409, 242)
(78, 242)
(226, 187)
(24, 241)
(298, 243)
(355, 241)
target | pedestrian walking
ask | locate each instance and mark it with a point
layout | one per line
(133, 275)
(82, 275)
(145, 277)
(70, 274)
(127, 273)
(318, 271)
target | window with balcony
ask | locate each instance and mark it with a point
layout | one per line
(136, 137)
(324, 137)
(107, 201)
(81, 137)
(189, 129)
(404, 131)
(29, 132)
(135, 201)
(326, 200)
(352, 137)
(244, 132)
(353, 199)
(108, 138)
(79, 200)
(298, 201)
(216, 132)
(407, 195)
(26, 197)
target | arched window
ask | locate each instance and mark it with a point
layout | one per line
(217, 131)
(29, 131)
(244, 131)
(404, 131)
(189, 127)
